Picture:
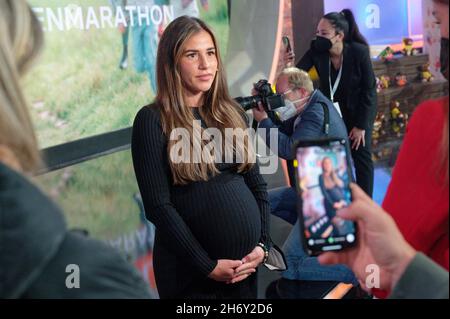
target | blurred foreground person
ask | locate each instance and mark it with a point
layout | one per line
(39, 257)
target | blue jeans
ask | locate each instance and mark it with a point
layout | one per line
(144, 50)
(283, 203)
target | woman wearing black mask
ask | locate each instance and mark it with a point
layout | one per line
(341, 57)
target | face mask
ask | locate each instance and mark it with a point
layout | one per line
(322, 44)
(444, 57)
(289, 110)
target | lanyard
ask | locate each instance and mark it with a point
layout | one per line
(333, 89)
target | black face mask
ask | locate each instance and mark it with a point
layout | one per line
(321, 44)
(444, 57)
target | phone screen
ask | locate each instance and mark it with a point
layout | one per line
(323, 180)
(287, 44)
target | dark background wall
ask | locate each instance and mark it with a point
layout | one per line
(306, 14)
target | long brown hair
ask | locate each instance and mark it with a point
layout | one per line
(218, 110)
(21, 39)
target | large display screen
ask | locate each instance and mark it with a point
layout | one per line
(97, 68)
(384, 22)
(101, 198)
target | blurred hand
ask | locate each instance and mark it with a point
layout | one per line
(225, 270)
(260, 113)
(249, 265)
(289, 58)
(339, 205)
(358, 137)
(379, 243)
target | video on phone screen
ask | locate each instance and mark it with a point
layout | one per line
(324, 186)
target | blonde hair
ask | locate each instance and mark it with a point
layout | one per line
(299, 79)
(21, 39)
(219, 110)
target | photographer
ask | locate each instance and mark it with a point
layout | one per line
(314, 117)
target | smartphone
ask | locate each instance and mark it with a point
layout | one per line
(323, 177)
(287, 44)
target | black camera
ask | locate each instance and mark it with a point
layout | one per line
(270, 101)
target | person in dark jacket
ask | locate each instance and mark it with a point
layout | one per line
(39, 257)
(306, 123)
(341, 56)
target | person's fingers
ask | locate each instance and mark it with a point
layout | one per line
(245, 272)
(355, 143)
(358, 193)
(235, 263)
(240, 278)
(360, 207)
(251, 257)
(228, 275)
(358, 143)
(364, 140)
(245, 266)
(329, 258)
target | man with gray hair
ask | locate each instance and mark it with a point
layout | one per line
(308, 115)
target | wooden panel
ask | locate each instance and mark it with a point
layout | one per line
(406, 65)
(386, 147)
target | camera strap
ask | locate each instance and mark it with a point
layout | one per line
(326, 120)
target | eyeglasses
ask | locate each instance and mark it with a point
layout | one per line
(287, 92)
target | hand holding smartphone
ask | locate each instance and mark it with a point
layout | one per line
(289, 55)
(323, 178)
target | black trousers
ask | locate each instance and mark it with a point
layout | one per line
(362, 159)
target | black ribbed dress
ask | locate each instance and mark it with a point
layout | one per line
(199, 223)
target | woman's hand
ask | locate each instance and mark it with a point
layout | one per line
(357, 135)
(339, 205)
(380, 243)
(249, 265)
(289, 58)
(225, 270)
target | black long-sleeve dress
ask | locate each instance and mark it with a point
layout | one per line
(199, 223)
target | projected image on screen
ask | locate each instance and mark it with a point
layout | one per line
(101, 199)
(324, 181)
(98, 65)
